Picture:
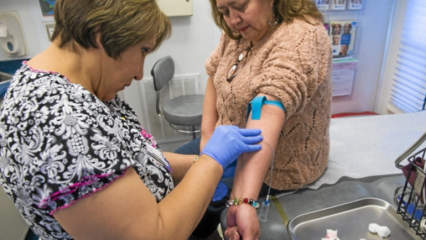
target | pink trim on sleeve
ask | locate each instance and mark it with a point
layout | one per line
(88, 180)
(43, 71)
(148, 136)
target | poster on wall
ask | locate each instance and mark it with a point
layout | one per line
(355, 4)
(322, 4)
(46, 8)
(338, 4)
(342, 36)
(342, 77)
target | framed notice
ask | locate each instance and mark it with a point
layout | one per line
(338, 5)
(322, 4)
(342, 77)
(355, 4)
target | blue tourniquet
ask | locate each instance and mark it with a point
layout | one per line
(257, 103)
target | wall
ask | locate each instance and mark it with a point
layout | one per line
(382, 105)
(190, 45)
(371, 35)
(28, 28)
(192, 41)
(195, 37)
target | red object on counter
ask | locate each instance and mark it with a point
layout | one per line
(350, 114)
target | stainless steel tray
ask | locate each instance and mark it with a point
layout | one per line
(351, 220)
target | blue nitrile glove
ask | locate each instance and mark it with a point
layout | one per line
(220, 191)
(228, 142)
(229, 171)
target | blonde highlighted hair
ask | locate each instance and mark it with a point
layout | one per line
(285, 10)
(121, 24)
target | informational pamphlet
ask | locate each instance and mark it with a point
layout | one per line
(354, 4)
(338, 4)
(343, 75)
(323, 4)
(342, 36)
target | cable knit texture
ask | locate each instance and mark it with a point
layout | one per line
(292, 63)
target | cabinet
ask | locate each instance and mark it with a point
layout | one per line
(175, 8)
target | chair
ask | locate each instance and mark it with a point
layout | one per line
(185, 110)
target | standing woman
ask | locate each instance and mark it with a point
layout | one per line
(280, 50)
(73, 157)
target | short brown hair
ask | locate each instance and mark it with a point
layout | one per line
(121, 23)
(286, 10)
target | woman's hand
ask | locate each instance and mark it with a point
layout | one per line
(242, 221)
(229, 142)
(232, 233)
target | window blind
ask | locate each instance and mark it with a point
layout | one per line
(409, 81)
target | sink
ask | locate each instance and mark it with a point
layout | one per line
(5, 77)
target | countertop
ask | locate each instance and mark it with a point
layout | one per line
(356, 143)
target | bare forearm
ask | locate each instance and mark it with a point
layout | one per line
(204, 140)
(209, 113)
(250, 172)
(189, 199)
(252, 167)
(128, 210)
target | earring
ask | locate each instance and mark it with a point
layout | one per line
(273, 15)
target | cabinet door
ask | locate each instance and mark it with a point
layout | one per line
(173, 8)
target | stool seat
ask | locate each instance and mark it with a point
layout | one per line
(184, 110)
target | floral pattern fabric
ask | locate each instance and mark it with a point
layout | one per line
(59, 143)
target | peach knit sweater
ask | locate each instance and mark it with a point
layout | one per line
(293, 64)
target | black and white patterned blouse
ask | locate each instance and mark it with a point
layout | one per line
(59, 143)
